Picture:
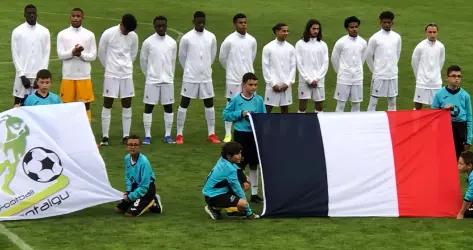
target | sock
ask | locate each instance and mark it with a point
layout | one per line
(248, 210)
(126, 121)
(372, 104)
(89, 115)
(298, 111)
(340, 106)
(168, 120)
(355, 107)
(147, 121)
(392, 103)
(228, 128)
(180, 120)
(106, 116)
(254, 181)
(210, 117)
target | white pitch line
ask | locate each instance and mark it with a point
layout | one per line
(14, 238)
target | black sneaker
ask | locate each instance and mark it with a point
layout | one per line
(125, 140)
(104, 141)
(256, 199)
(213, 213)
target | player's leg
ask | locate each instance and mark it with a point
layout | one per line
(341, 95)
(285, 100)
(111, 87)
(230, 91)
(303, 93)
(392, 94)
(206, 92)
(356, 97)
(318, 96)
(418, 98)
(127, 91)
(123, 206)
(84, 92)
(181, 118)
(143, 204)
(375, 88)
(228, 128)
(166, 97)
(20, 92)
(147, 122)
(284, 109)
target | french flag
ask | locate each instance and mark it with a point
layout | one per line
(392, 164)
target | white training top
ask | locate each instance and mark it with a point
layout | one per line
(158, 59)
(117, 52)
(30, 48)
(427, 62)
(348, 56)
(383, 53)
(73, 67)
(312, 61)
(197, 51)
(237, 54)
(279, 63)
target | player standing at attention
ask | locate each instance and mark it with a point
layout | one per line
(312, 63)
(76, 48)
(427, 62)
(118, 48)
(158, 61)
(382, 56)
(237, 54)
(348, 56)
(279, 70)
(197, 51)
(30, 48)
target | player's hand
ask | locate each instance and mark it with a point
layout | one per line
(246, 186)
(26, 82)
(77, 50)
(313, 84)
(245, 113)
(276, 88)
(466, 147)
(284, 87)
(448, 107)
(460, 216)
(125, 197)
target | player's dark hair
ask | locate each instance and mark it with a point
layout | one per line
(306, 34)
(129, 22)
(134, 137)
(238, 16)
(43, 74)
(230, 149)
(249, 76)
(162, 18)
(467, 157)
(351, 19)
(431, 25)
(78, 9)
(29, 6)
(199, 14)
(278, 26)
(386, 15)
(453, 68)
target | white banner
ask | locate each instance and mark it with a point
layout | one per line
(49, 163)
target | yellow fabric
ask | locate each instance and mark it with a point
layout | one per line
(77, 91)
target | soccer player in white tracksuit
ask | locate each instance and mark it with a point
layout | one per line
(30, 48)
(158, 61)
(382, 56)
(237, 54)
(312, 64)
(348, 56)
(76, 48)
(197, 51)
(279, 70)
(427, 62)
(118, 48)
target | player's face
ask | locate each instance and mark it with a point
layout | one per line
(76, 19)
(250, 87)
(133, 146)
(199, 24)
(314, 30)
(462, 166)
(431, 33)
(281, 34)
(236, 158)
(30, 16)
(386, 24)
(241, 25)
(43, 84)
(454, 78)
(123, 30)
(353, 29)
(160, 26)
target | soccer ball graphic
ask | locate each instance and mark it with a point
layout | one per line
(42, 164)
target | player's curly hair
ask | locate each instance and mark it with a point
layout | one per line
(467, 157)
(129, 22)
(230, 149)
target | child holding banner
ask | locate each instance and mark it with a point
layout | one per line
(140, 195)
(42, 96)
(465, 164)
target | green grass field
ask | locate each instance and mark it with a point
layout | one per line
(181, 170)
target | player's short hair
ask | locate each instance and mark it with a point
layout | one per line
(78, 9)
(467, 157)
(129, 22)
(249, 76)
(306, 34)
(453, 68)
(29, 6)
(134, 137)
(277, 27)
(162, 18)
(431, 25)
(199, 14)
(231, 149)
(351, 19)
(238, 16)
(43, 74)
(386, 15)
